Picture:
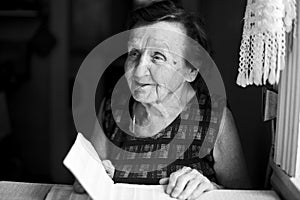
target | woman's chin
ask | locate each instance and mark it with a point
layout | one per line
(143, 97)
(141, 135)
(144, 133)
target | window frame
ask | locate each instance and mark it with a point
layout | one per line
(286, 161)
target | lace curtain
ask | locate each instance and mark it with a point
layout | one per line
(263, 45)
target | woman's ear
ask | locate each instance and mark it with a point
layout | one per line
(191, 74)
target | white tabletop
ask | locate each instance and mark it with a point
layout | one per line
(35, 191)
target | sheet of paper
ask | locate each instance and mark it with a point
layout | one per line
(239, 195)
(85, 164)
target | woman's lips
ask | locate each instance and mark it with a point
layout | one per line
(143, 84)
(143, 87)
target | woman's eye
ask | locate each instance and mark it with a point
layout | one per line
(159, 57)
(133, 54)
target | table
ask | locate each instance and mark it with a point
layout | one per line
(36, 191)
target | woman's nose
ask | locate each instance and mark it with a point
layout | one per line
(142, 68)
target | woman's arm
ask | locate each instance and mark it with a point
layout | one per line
(98, 138)
(229, 165)
(100, 141)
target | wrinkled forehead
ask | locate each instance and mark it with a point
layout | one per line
(158, 38)
(170, 37)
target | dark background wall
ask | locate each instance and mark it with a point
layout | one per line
(41, 52)
(224, 20)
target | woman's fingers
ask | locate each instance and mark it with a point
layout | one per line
(164, 181)
(109, 168)
(187, 183)
(77, 187)
(190, 187)
(182, 182)
(204, 186)
(173, 178)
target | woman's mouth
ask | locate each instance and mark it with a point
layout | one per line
(144, 85)
(138, 84)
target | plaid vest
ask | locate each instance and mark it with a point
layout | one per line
(188, 141)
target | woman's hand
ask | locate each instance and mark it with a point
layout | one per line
(109, 168)
(187, 183)
(78, 187)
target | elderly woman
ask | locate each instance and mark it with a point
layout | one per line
(169, 100)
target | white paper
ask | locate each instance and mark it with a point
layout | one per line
(85, 164)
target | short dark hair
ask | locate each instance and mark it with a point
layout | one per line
(167, 10)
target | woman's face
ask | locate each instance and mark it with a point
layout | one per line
(154, 66)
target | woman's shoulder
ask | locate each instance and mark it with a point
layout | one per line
(229, 158)
(227, 123)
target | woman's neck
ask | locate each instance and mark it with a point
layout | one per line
(173, 103)
(153, 117)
